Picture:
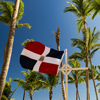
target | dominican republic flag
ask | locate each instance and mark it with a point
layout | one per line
(36, 56)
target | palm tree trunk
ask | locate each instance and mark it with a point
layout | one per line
(87, 72)
(76, 85)
(31, 94)
(8, 47)
(50, 94)
(77, 92)
(24, 89)
(93, 77)
(62, 76)
(24, 94)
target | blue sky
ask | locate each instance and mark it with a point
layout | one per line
(46, 16)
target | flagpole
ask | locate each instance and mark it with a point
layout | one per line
(66, 69)
(66, 74)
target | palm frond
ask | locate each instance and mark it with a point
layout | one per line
(77, 41)
(23, 25)
(77, 56)
(71, 82)
(95, 46)
(53, 79)
(95, 13)
(7, 7)
(4, 19)
(93, 32)
(71, 78)
(79, 25)
(72, 9)
(96, 37)
(82, 48)
(93, 52)
(96, 7)
(20, 82)
(25, 73)
(98, 84)
(26, 41)
(1, 9)
(81, 80)
(74, 63)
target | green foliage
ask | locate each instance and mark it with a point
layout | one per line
(7, 11)
(6, 8)
(23, 25)
(94, 72)
(32, 81)
(79, 25)
(7, 89)
(74, 63)
(92, 42)
(99, 90)
(52, 80)
(79, 56)
(7, 93)
(26, 41)
(98, 73)
(4, 97)
(76, 76)
(81, 9)
(98, 85)
(96, 7)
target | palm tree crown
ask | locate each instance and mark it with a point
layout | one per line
(80, 8)
(6, 8)
(96, 7)
(32, 82)
(93, 44)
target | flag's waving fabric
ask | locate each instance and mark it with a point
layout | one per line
(36, 56)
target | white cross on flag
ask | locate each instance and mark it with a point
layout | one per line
(36, 56)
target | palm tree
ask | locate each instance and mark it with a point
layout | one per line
(76, 77)
(81, 9)
(98, 72)
(98, 76)
(99, 86)
(31, 84)
(7, 10)
(97, 68)
(7, 93)
(7, 89)
(57, 35)
(96, 7)
(50, 81)
(24, 89)
(13, 15)
(93, 46)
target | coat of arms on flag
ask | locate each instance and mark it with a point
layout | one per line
(36, 56)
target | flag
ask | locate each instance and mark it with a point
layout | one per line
(36, 56)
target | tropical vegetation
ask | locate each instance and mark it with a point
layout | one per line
(11, 14)
(7, 93)
(88, 45)
(76, 76)
(30, 84)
